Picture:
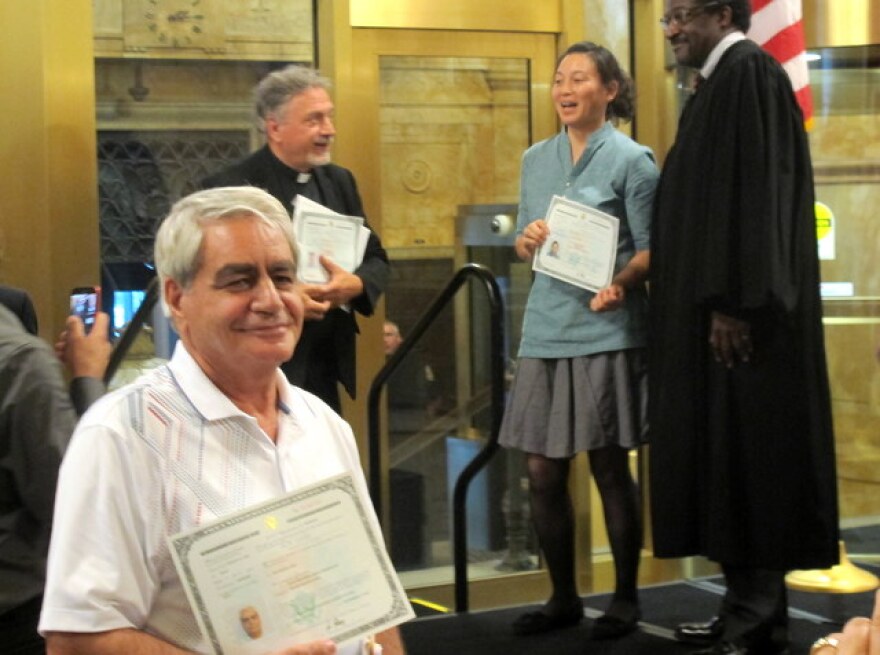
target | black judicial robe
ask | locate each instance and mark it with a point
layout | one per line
(326, 350)
(742, 465)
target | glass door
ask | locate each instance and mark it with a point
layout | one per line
(845, 83)
(455, 111)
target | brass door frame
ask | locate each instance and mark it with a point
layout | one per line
(362, 124)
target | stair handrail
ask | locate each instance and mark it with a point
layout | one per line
(126, 339)
(497, 366)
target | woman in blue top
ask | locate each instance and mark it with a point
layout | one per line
(580, 383)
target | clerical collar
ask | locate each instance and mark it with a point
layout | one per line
(719, 49)
(293, 174)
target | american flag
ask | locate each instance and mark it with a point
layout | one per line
(777, 27)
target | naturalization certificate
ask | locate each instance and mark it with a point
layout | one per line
(582, 245)
(308, 565)
(321, 231)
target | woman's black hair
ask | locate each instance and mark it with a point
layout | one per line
(623, 105)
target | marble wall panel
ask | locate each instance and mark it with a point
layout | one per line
(847, 137)
(846, 158)
(854, 207)
(214, 29)
(607, 23)
(453, 132)
(177, 81)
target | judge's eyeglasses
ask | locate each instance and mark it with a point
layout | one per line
(684, 15)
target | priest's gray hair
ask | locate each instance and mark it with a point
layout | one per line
(274, 91)
(178, 248)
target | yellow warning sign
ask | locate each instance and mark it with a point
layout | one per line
(824, 220)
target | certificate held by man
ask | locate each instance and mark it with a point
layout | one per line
(309, 565)
(582, 245)
(321, 231)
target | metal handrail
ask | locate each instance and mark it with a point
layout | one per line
(497, 363)
(121, 347)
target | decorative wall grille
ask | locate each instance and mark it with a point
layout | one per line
(140, 175)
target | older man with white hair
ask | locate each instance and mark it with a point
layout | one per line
(216, 430)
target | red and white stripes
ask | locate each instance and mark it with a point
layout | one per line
(777, 27)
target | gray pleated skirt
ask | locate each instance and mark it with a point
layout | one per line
(560, 407)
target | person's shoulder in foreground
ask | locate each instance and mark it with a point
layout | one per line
(19, 303)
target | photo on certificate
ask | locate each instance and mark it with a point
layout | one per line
(309, 565)
(582, 245)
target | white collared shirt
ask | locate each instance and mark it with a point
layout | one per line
(719, 49)
(159, 456)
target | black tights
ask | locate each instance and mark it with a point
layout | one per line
(553, 517)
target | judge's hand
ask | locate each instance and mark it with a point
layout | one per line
(533, 236)
(608, 299)
(730, 340)
(318, 647)
(85, 355)
(339, 290)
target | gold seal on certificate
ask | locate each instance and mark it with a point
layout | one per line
(305, 566)
(582, 245)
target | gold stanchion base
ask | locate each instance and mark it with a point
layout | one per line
(843, 578)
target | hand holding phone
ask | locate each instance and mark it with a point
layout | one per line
(83, 350)
(85, 302)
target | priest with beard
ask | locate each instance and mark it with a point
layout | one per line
(295, 112)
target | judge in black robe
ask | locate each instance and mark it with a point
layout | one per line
(295, 111)
(742, 457)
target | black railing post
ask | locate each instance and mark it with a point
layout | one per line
(459, 500)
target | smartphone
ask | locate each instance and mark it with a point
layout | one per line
(85, 302)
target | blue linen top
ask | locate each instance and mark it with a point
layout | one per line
(617, 176)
